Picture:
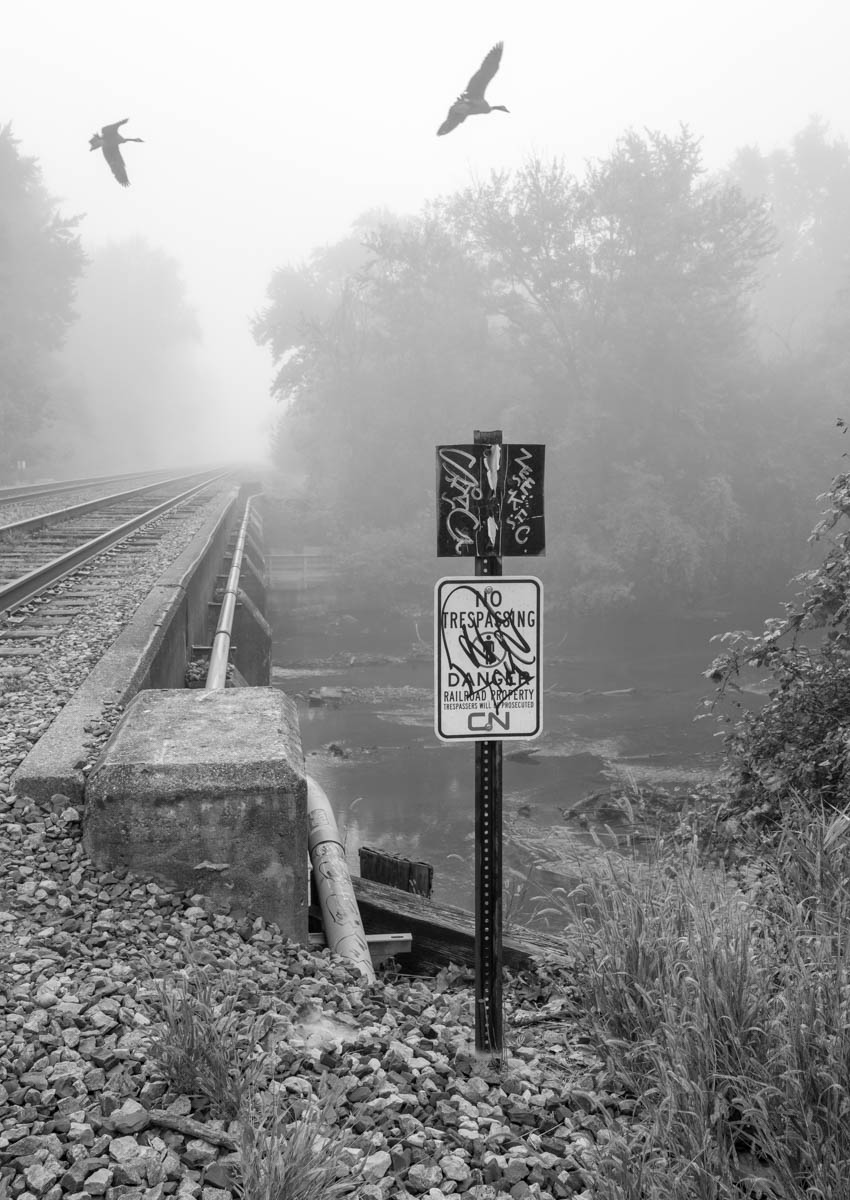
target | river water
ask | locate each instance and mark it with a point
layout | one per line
(619, 708)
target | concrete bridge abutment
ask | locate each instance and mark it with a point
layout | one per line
(205, 791)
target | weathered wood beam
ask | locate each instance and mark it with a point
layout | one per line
(441, 933)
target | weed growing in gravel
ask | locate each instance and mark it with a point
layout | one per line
(727, 1011)
(207, 1045)
(210, 1046)
(285, 1156)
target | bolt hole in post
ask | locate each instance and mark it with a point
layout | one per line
(487, 682)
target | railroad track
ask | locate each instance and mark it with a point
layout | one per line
(31, 491)
(19, 503)
(38, 551)
(50, 644)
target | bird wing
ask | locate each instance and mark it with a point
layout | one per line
(116, 164)
(107, 129)
(477, 85)
(457, 113)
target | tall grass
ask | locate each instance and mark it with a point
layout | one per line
(284, 1157)
(726, 1010)
(530, 903)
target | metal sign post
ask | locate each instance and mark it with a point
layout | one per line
(487, 662)
(489, 1019)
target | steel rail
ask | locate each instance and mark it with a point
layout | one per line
(23, 589)
(43, 520)
(32, 490)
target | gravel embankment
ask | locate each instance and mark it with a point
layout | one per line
(85, 1113)
(12, 511)
(24, 508)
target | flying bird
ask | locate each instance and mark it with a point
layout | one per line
(472, 100)
(109, 140)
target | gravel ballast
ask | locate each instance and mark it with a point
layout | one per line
(26, 507)
(86, 1111)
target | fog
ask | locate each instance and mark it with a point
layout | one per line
(269, 128)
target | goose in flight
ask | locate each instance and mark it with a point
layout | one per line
(109, 140)
(472, 100)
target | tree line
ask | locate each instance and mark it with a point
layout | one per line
(676, 338)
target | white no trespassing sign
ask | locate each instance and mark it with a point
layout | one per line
(487, 661)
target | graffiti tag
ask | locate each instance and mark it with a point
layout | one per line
(460, 496)
(490, 500)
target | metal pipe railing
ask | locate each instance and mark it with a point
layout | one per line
(220, 653)
(340, 915)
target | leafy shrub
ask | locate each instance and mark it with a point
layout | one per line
(797, 743)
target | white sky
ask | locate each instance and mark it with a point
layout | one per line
(269, 126)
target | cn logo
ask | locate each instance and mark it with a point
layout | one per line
(483, 722)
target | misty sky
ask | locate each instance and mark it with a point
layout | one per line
(269, 127)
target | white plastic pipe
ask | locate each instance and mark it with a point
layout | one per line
(340, 915)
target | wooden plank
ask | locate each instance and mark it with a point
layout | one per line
(421, 879)
(382, 946)
(441, 933)
(395, 871)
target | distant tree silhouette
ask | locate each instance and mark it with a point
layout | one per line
(40, 262)
(807, 189)
(131, 357)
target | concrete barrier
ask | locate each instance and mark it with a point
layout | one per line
(206, 791)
